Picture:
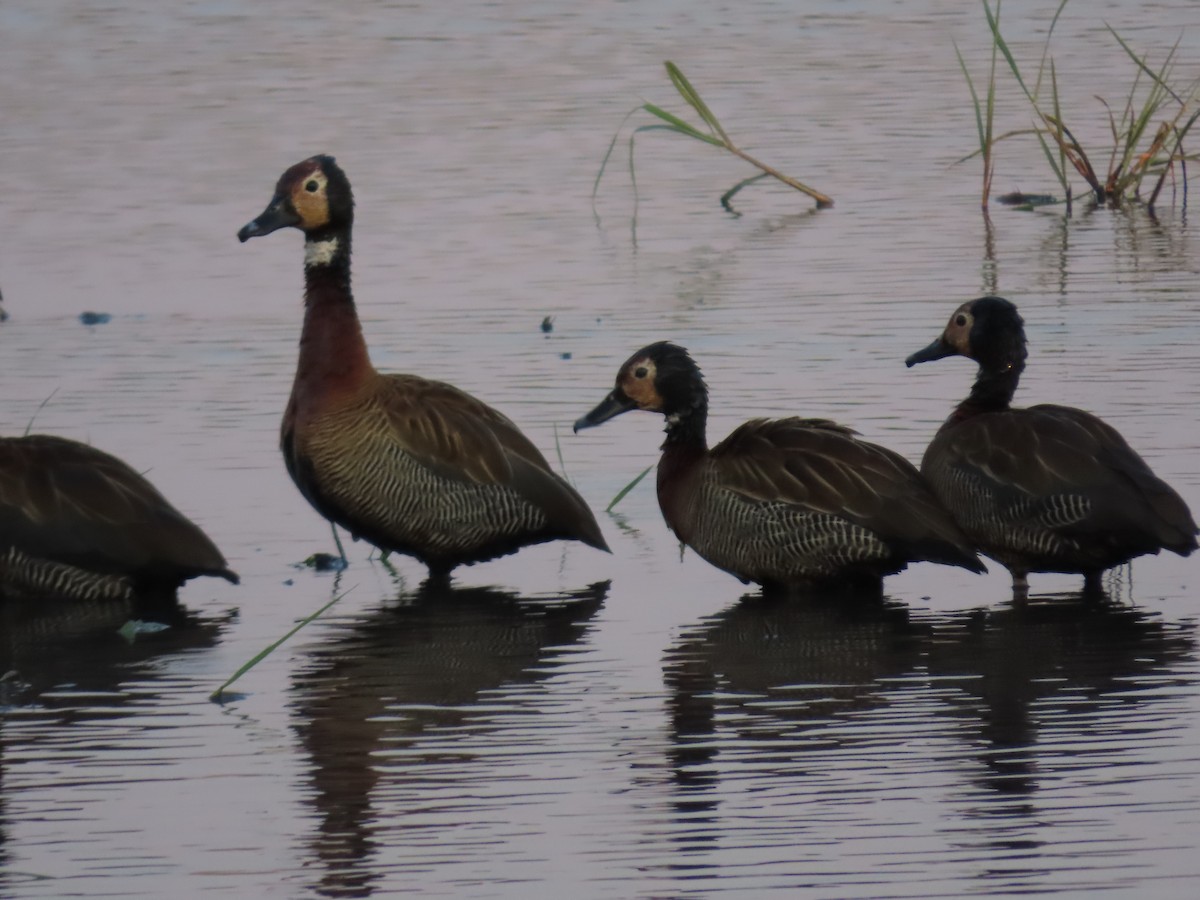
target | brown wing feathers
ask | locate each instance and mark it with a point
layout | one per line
(824, 467)
(459, 436)
(67, 502)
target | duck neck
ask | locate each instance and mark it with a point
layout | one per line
(682, 453)
(686, 431)
(333, 353)
(993, 388)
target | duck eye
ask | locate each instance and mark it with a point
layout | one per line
(311, 187)
(960, 320)
(639, 372)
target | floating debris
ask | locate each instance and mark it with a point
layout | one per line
(94, 318)
(12, 689)
(135, 627)
(547, 324)
(324, 562)
(1016, 198)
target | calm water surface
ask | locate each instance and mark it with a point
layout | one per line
(564, 721)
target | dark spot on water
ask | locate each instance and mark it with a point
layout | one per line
(565, 355)
(548, 324)
(324, 562)
(1016, 198)
(94, 318)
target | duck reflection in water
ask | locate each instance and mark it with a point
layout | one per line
(1040, 680)
(822, 704)
(69, 660)
(80, 643)
(391, 698)
(786, 672)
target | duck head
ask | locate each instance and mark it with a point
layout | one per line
(314, 196)
(988, 330)
(659, 378)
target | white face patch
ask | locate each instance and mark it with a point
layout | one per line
(320, 253)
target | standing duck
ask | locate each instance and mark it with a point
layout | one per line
(408, 464)
(786, 503)
(79, 524)
(1043, 489)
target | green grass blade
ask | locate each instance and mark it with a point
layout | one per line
(962, 64)
(1073, 149)
(1180, 133)
(1017, 132)
(692, 96)
(1113, 168)
(1037, 86)
(679, 125)
(997, 38)
(983, 130)
(611, 145)
(41, 406)
(633, 183)
(629, 487)
(1186, 128)
(215, 696)
(1062, 180)
(562, 464)
(727, 197)
(1059, 168)
(989, 164)
(1141, 64)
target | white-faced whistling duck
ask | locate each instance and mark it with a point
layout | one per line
(79, 524)
(786, 503)
(410, 465)
(1044, 489)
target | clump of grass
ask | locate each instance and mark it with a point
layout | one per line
(1128, 167)
(1138, 150)
(713, 134)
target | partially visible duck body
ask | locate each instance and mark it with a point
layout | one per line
(1048, 488)
(79, 524)
(410, 465)
(791, 504)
